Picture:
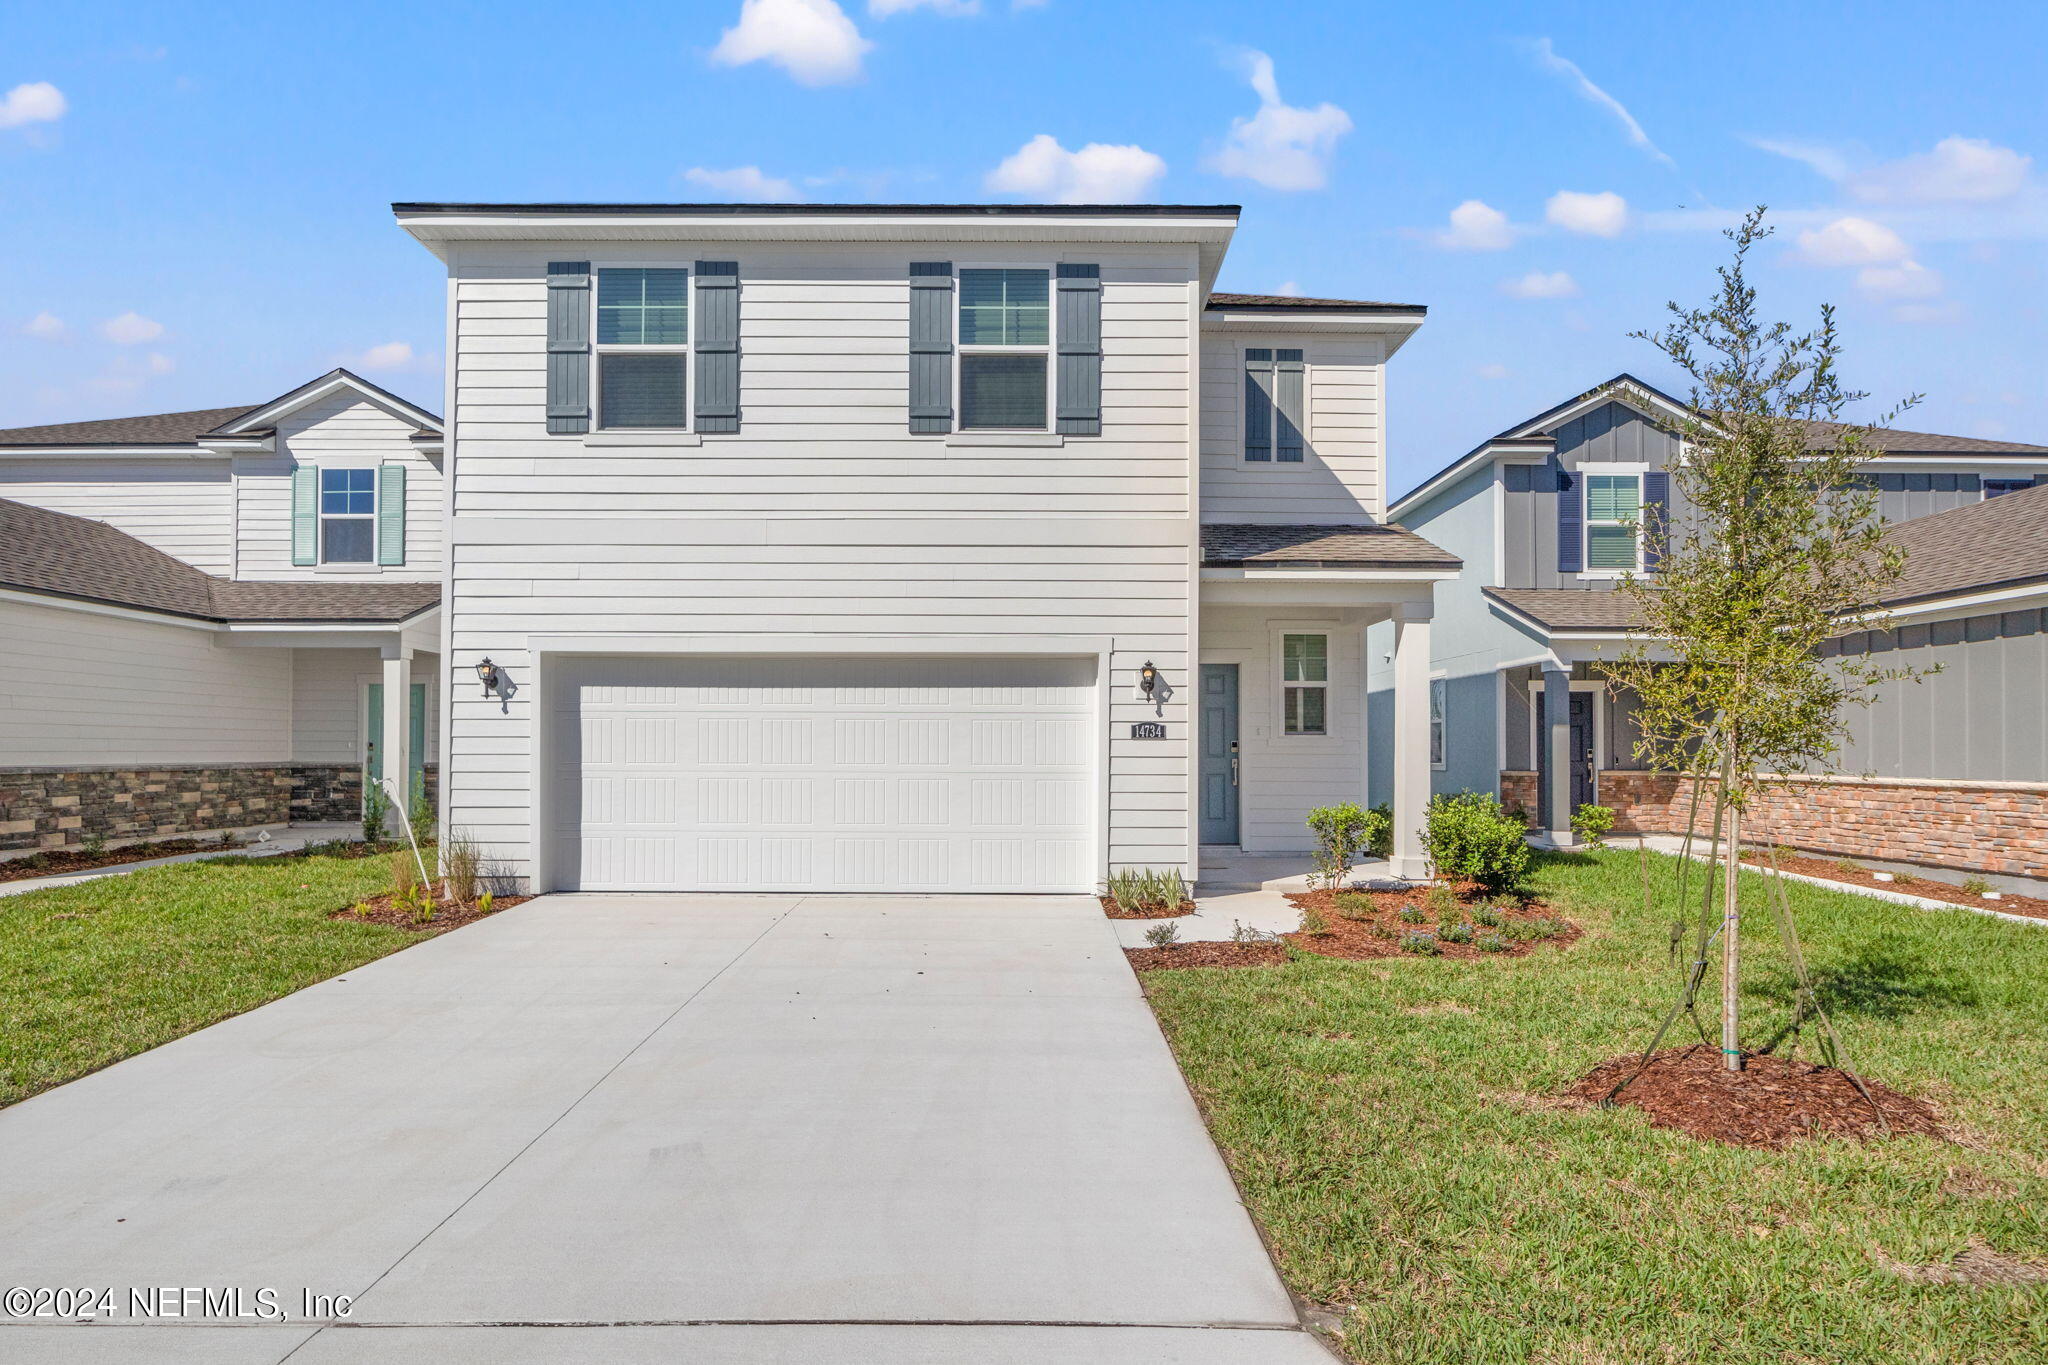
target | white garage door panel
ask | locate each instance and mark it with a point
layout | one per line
(817, 774)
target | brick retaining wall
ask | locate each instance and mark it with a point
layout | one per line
(55, 807)
(1999, 827)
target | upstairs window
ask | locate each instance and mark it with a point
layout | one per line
(1305, 684)
(1995, 488)
(643, 344)
(1272, 405)
(1614, 511)
(348, 516)
(1005, 347)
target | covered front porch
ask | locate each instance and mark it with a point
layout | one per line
(1282, 715)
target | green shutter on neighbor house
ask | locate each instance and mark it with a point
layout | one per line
(568, 347)
(931, 347)
(306, 514)
(718, 346)
(391, 514)
(1079, 333)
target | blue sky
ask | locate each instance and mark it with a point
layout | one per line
(196, 196)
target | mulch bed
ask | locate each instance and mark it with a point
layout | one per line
(1369, 925)
(447, 915)
(1769, 1103)
(1153, 911)
(1206, 955)
(52, 862)
(1829, 870)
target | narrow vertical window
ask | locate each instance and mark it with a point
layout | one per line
(1305, 684)
(1614, 505)
(1004, 348)
(348, 516)
(1438, 688)
(643, 335)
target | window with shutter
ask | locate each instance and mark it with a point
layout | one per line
(1004, 350)
(643, 346)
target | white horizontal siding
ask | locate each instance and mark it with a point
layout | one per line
(1342, 477)
(180, 506)
(328, 688)
(82, 688)
(340, 431)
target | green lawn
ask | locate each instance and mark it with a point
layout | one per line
(93, 973)
(1386, 1123)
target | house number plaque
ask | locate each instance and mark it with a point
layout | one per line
(1148, 729)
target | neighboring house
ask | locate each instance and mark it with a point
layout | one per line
(909, 548)
(1545, 517)
(203, 612)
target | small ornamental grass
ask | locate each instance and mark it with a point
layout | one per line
(1136, 889)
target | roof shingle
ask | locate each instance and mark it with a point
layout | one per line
(164, 428)
(1349, 547)
(1297, 301)
(1572, 608)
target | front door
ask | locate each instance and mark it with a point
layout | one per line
(415, 740)
(1582, 749)
(1219, 754)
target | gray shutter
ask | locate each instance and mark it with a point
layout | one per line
(718, 345)
(1079, 402)
(568, 347)
(931, 347)
(1571, 524)
(391, 514)
(1287, 403)
(1656, 511)
(1258, 403)
(306, 514)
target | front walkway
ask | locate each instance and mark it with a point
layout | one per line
(758, 1129)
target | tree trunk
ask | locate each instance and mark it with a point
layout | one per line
(1731, 942)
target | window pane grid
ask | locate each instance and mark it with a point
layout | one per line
(1305, 711)
(1613, 497)
(643, 307)
(348, 492)
(1305, 658)
(1005, 308)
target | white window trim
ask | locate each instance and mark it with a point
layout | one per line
(1277, 632)
(1586, 473)
(962, 349)
(598, 351)
(322, 516)
(1440, 720)
(1308, 404)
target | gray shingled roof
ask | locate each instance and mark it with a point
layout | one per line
(1348, 547)
(165, 428)
(1296, 301)
(1572, 608)
(1999, 542)
(1821, 436)
(52, 552)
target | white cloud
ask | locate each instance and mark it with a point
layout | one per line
(159, 363)
(48, 326)
(1494, 371)
(1906, 280)
(36, 102)
(1958, 170)
(1281, 147)
(1541, 284)
(131, 329)
(882, 9)
(391, 355)
(1476, 226)
(1597, 215)
(1852, 241)
(812, 40)
(1288, 290)
(1823, 160)
(1099, 173)
(1563, 66)
(747, 183)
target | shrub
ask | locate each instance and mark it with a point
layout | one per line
(1487, 916)
(1135, 889)
(404, 877)
(1843, 865)
(1491, 943)
(1382, 845)
(376, 810)
(421, 810)
(1240, 934)
(483, 903)
(1354, 905)
(1591, 823)
(93, 845)
(1312, 921)
(1344, 833)
(1411, 913)
(1456, 933)
(1420, 941)
(1975, 886)
(1470, 837)
(461, 866)
(1442, 900)
(1163, 935)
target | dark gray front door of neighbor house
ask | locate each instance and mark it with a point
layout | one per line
(1582, 749)
(1219, 753)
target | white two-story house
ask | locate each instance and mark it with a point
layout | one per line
(201, 614)
(909, 548)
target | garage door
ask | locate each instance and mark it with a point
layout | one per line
(918, 775)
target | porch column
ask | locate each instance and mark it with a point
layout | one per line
(1411, 735)
(397, 731)
(1555, 744)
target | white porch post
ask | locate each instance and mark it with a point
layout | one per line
(1411, 735)
(397, 734)
(1555, 744)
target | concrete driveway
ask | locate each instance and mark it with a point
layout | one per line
(656, 1127)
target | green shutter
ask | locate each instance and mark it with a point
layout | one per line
(306, 514)
(391, 514)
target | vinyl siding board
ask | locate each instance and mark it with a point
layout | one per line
(181, 506)
(1341, 477)
(1982, 717)
(328, 697)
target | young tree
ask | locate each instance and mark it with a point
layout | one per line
(1774, 539)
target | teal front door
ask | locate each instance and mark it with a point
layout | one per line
(1219, 754)
(416, 736)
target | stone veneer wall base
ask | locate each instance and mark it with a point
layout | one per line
(59, 807)
(1996, 827)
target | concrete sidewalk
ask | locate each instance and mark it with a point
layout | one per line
(720, 1127)
(282, 839)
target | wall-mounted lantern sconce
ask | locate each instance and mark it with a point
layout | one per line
(1148, 678)
(487, 673)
